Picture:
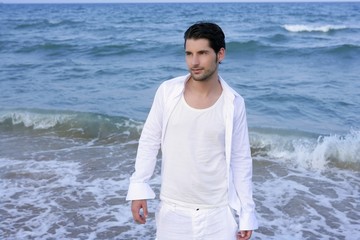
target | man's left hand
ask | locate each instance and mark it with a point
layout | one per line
(244, 235)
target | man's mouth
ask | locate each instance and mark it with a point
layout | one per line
(196, 70)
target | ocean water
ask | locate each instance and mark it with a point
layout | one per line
(77, 82)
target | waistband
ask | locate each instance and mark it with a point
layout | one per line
(191, 207)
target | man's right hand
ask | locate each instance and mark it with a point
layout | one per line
(136, 206)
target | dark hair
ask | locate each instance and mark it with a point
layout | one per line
(209, 31)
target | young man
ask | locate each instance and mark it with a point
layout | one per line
(199, 123)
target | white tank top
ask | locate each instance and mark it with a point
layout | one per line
(193, 152)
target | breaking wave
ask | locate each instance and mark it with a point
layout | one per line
(310, 28)
(307, 150)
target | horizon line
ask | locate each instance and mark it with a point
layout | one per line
(206, 1)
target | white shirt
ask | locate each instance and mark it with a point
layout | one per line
(193, 152)
(237, 148)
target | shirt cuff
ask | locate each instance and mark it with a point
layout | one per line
(139, 190)
(248, 221)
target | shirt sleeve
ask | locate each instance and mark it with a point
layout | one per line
(241, 166)
(148, 149)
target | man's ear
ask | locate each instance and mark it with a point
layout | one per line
(221, 55)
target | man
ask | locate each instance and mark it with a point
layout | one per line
(199, 123)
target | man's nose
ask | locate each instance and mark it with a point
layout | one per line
(195, 60)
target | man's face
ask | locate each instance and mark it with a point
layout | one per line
(201, 59)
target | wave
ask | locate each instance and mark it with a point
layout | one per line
(299, 149)
(70, 124)
(65, 48)
(270, 46)
(247, 46)
(48, 47)
(308, 150)
(44, 23)
(113, 49)
(310, 28)
(344, 48)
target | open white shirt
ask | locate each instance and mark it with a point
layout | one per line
(237, 148)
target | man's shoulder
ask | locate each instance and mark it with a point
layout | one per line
(229, 89)
(175, 80)
(173, 85)
(233, 95)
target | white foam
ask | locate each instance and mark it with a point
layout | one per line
(296, 202)
(311, 153)
(343, 148)
(30, 187)
(45, 195)
(35, 120)
(311, 28)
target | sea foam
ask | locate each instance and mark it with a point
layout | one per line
(309, 152)
(310, 28)
(35, 120)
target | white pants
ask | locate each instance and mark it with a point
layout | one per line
(178, 223)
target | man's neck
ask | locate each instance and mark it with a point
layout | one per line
(202, 94)
(204, 88)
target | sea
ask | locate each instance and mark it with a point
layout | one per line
(77, 82)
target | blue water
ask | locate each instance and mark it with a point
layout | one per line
(77, 82)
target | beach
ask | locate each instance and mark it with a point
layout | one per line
(77, 82)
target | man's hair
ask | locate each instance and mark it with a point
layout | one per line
(209, 31)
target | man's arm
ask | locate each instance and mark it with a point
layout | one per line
(241, 166)
(146, 157)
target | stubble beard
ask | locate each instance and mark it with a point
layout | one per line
(204, 76)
